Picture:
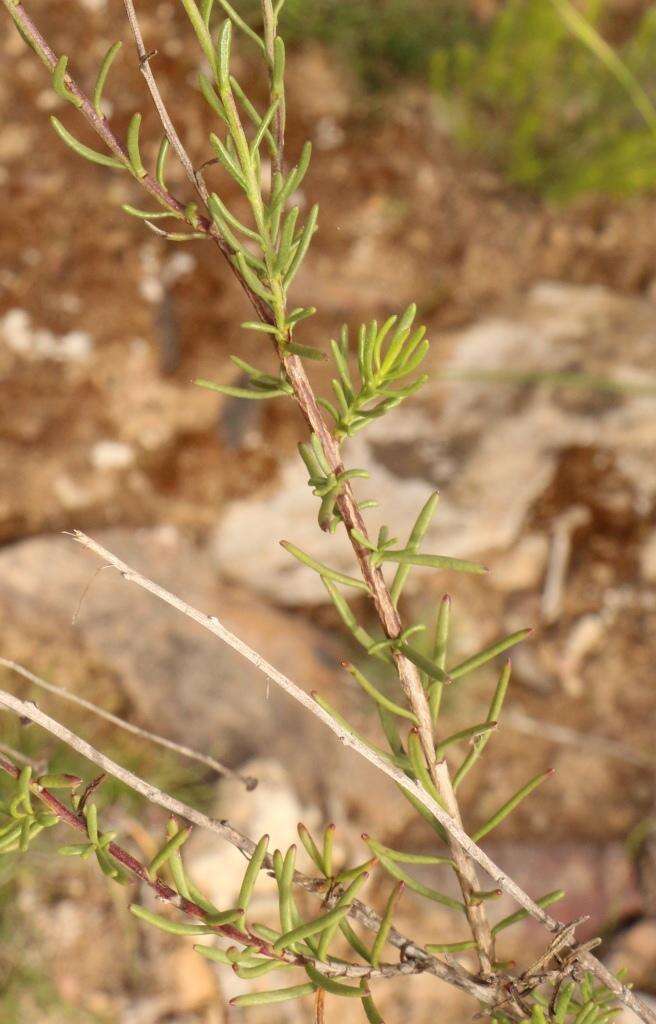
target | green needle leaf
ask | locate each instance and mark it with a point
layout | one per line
(359, 876)
(217, 204)
(386, 924)
(328, 842)
(414, 542)
(134, 150)
(492, 716)
(336, 988)
(172, 927)
(215, 954)
(76, 850)
(465, 667)
(306, 352)
(223, 55)
(395, 871)
(354, 940)
(472, 732)
(167, 851)
(278, 995)
(408, 557)
(91, 814)
(511, 804)
(303, 245)
(201, 30)
(285, 879)
(263, 127)
(450, 947)
(234, 392)
(160, 169)
(278, 75)
(521, 915)
(323, 570)
(425, 664)
(309, 928)
(347, 727)
(406, 858)
(368, 1005)
(379, 697)
(59, 781)
(252, 280)
(347, 616)
(310, 846)
(85, 151)
(439, 655)
(419, 766)
(265, 967)
(105, 68)
(59, 83)
(250, 876)
(149, 214)
(211, 98)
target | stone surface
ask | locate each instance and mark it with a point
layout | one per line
(450, 438)
(128, 647)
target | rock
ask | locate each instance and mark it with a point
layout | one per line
(192, 979)
(451, 439)
(273, 809)
(634, 948)
(648, 558)
(522, 567)
(135, 655)
(17, 332)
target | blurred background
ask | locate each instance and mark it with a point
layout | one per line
(470, 155)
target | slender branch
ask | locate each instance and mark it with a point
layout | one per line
(270, 20)
(121, 723)
(459, 836)
(416, 959)
(192, 909)
(408, 674)
(195, 177)
(464, 852)
(304, 395)
(387, 613)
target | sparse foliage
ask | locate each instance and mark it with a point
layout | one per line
(266, 251)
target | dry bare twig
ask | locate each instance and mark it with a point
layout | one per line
(499, 878)
(415, 958)
(122, 723)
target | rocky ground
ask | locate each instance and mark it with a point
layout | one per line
(102, 329)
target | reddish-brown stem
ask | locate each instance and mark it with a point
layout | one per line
(168, 895)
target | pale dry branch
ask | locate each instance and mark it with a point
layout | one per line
(122, 723)
(499, 878)
(351, 516)
(195, 177)
(415, 958)
(464, 852)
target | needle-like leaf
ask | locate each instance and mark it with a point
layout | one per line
(84, 151)
(105, 68)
